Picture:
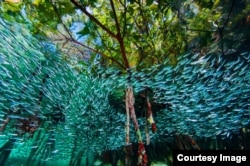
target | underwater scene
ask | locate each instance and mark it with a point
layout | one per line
(122, 83)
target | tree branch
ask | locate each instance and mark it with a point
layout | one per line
(96, 51)
(229, 15)
(92, 18)
(119, 37)
(103, 43)
(116, 20)
(125, 18)
(221, 29)
(71, 38)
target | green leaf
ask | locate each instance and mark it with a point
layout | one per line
(149, 2)
(84, 31)
(132, 1)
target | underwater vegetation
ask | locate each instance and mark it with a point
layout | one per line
(49, 111)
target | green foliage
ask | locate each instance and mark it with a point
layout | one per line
(11, 7)
(148, 31)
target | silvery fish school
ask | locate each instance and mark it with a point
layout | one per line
(213, 159)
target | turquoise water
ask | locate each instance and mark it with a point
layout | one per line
(52, 114)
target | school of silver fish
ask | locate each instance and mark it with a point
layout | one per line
(205, 96)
